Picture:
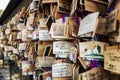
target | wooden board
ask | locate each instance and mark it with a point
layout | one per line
(88, 24)
(97, 73)
(65, 78)
(27, 68)
(112, 60)
(114, 37)
(95, 6)
(62, 70)
(87, 49)
(57, 30)
(62, 47)
(73, 7)
(112, 21)
(101, 28)
(42, 45)
(4, 74)
(44, 35)
(44, 61)
(64, 6)
(48, 1)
